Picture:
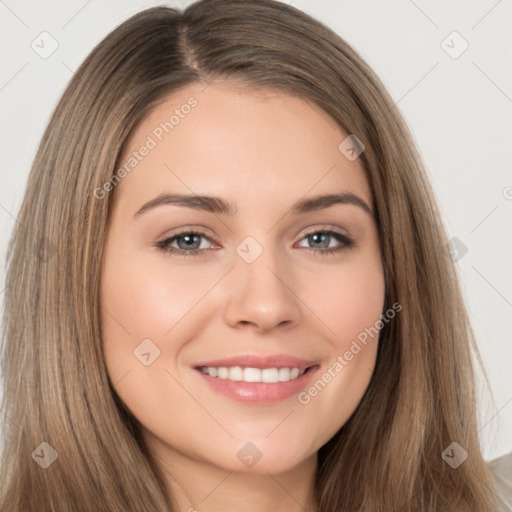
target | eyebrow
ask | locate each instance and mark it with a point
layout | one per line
(218, 205)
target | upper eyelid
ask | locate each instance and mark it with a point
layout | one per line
(315, 229)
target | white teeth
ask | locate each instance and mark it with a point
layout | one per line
(236, 373)
(284, 374)
(222, 372)
(268, 375)
(252, 375)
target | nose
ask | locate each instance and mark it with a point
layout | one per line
(261, 296)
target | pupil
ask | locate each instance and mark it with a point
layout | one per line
(189, 240)
(324, 237)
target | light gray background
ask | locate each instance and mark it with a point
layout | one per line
(459, 110)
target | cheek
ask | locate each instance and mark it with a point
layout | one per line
(350, 308)
(145, 297)
(347, 299)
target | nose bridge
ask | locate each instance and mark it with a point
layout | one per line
(262, 274)
(261, 289)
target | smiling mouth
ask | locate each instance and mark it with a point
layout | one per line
(272, 375)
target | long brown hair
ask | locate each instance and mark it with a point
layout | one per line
(387, 457)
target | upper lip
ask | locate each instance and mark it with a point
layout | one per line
(254, 361)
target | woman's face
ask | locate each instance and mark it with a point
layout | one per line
(282, 279)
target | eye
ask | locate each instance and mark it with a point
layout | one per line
(321, 242)
(189, 243)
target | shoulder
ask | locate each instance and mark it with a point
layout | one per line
(502, 471)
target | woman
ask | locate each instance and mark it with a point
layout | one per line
(174, 337)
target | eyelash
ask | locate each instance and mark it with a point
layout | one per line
(163, 245)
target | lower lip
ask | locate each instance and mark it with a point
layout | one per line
(259, 392)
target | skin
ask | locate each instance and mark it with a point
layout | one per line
(263, 152)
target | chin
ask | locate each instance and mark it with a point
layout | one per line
(263, 457)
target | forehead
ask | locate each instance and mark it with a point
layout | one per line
(221, 138)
